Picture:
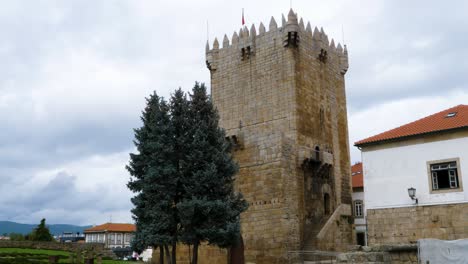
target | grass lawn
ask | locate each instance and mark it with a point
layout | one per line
(12, 255)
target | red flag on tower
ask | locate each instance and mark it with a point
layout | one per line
(243, 21)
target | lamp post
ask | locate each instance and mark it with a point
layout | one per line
(412, 194)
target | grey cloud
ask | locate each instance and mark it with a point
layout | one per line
(61, 196)
(417, 46)
(75, 74)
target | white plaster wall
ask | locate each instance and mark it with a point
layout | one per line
(359, 196)
(389, 172)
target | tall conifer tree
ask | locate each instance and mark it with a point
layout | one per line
(210, 208)
(183, 176)
(153, 178)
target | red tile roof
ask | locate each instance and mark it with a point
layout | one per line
(357, 175)
(438, 122)
(112, 227)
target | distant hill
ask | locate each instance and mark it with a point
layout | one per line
(12, 227)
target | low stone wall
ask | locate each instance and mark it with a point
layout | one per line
(94, 248)
(385, 254)
(51, 245)
(408, 224)
(206, 254)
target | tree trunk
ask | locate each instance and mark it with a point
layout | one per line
(168, 255)
(161, 255)
(174, 248)
(195, 253)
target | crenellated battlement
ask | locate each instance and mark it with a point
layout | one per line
(293, 33)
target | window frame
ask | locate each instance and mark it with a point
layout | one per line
(431, 181)
(355, 211)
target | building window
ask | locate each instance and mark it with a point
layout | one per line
(445, 175)
(358, 208)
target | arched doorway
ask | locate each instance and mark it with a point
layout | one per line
(236, 253)
(317, 153)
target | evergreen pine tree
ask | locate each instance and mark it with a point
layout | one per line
(183, 176)
(41, 232)
(154, 179)
(210, 208)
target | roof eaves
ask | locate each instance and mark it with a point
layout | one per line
(402, 138)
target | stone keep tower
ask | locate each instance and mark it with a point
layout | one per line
(281, 99)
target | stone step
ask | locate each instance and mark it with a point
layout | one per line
(318, 259)
(320, 262)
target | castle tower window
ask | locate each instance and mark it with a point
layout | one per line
(322, 117)
(326, 204)
(317, 153)
(323, 56)
(293, 39)
(246, 53)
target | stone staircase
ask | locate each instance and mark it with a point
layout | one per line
(311, 241)
(310, 257)
(310, 253)
(312, 250)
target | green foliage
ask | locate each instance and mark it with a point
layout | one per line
(210, 209)
(41, 233)
(153, 169)
(183, 174)
(5, 251)
(26, 255)
(16, 237)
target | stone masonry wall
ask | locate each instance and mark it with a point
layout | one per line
(382, 254)
(206, 254)
(408, 224)
(280, 100)
(321, 106)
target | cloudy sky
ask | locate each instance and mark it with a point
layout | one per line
(74, 75)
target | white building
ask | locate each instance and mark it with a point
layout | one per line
(358, 203)
(113, 235)
(429, 155)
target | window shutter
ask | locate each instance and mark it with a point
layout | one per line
(435, 183)
(452, 179)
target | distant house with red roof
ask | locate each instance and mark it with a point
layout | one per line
(112, 235)
(414, 178)
(358, 203)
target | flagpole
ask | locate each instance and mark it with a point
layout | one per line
(243, 20)
(207, 31)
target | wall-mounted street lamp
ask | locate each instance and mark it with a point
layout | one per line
(412, 194)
